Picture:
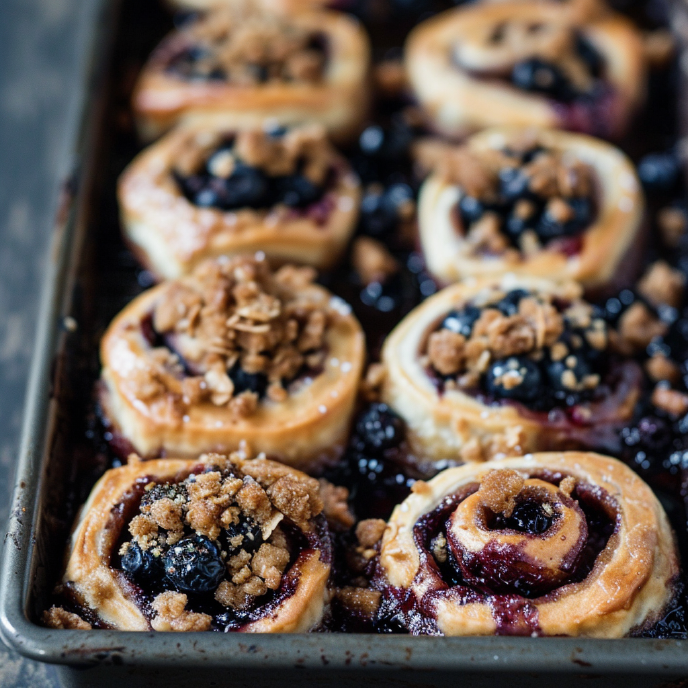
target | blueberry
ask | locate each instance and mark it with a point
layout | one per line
(141, 565)
(379, 428)
(513, 184)
(471, 209)
(297, 191)
(659, 171)
(372, 140)
(194, 565)
(251, 382)
(380, 209)
(251, 532)
(589, 54)
(539, 76)
(246, 187)
(556, 370)
(527, 517)
(516, 378)
(509, 303)
(461, 321)
(549, 228)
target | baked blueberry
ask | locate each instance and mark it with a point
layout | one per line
(508, 305)
(140, 565)
(248, 382)
(539, 76)
(379, 428)
(246, 187)
(560, 372)
(297, 191)
(471, 209)
(659, 171)
(527, 517)
(588, 53)
(513, 184)
(461, 321)
(250, 532)
(194, 565)
(516, 378)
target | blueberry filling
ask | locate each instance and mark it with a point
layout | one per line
(247, 187)
(527, 517)
(194, 565)
(248, 382)
(537, 75)
(525, 198)
(569, 370)
(250, 533)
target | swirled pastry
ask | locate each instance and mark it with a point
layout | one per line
(232, 353)
(538, 202)
(503, 367)
(238, 66)
(527, 63)
(548, 544)
(217, 543)
(199, 193)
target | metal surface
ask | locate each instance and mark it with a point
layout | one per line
(108, 658)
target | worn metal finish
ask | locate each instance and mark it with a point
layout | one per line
(109, 658)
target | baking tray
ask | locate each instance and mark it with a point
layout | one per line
(55, 470)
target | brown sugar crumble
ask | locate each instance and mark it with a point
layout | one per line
(241, 505)
(553, 184)
(535, 327)
(304, 149)
(228, 316)
(499, 489)
(244, 46)
(57, 617)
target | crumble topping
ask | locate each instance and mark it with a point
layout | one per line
(58, 617)
(362, 602)
(637, 327)
(232, 333)
(243, 46)
(662, 284)
(511, 344)
(372, 261)
(674, 402)
(499, 489)
(278, 153)
(519, 199)
(672, 224)
(227, 520)
(336, 506)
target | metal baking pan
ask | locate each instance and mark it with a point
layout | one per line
(89, 278)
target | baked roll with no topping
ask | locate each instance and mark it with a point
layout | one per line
(495, 368)
(232, 353)
(538, 202)
(199, 193)
(238, 66)
(548, 544)
(528, 63)
(220, 543)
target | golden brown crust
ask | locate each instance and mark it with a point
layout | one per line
(170, 235)
(630, 584)
(158, 408)
(454, 424)
(606, 243)
(339, 101)
(458, 103)
(103, 591)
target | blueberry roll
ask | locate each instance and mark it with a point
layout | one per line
(527, 63)
(199, 193)
(487, 369)
(549, 544)
(238, 66)
(234, 352)
(220, 543)
(538, 202)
